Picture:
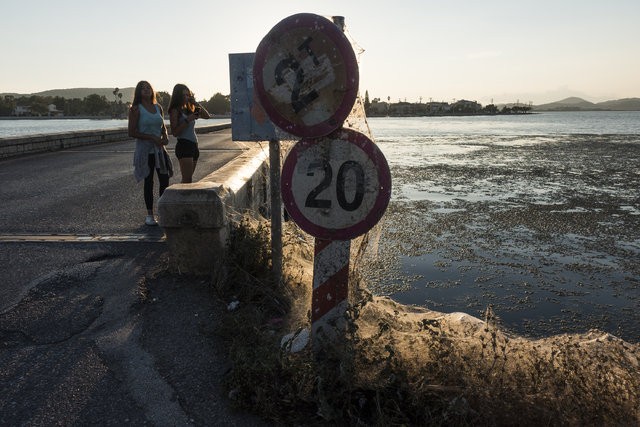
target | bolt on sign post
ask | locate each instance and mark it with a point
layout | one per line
(335, 182)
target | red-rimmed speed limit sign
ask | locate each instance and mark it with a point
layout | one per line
(306, 75)
(336, 187)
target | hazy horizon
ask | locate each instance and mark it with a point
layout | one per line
(536, 52)
(414, 100)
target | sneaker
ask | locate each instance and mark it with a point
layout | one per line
(150, 220)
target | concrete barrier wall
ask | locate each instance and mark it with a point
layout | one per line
(197, 217)
(10, 147)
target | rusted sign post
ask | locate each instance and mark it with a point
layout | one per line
(335, 182)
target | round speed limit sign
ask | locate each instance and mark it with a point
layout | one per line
(336, 187)
(306, 75)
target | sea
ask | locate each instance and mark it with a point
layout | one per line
(399, 129)
(534, 218)
(11, 128)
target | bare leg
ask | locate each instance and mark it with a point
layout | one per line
(187, 165)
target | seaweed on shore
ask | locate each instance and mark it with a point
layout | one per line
(403, 365)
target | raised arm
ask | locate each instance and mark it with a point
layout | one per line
(204, 114)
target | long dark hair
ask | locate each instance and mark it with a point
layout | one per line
(177, 99)
(137, 94)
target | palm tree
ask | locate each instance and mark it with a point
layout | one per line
(116, 94)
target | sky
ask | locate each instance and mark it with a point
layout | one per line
(410, 50)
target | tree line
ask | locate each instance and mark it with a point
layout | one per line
(100, 106)
(379, 108)
(94, 105)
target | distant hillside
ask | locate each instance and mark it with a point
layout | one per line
(81, 93)
(579, 104)
(567, 104)
(626, 104)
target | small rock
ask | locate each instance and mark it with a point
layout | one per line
(295, 342)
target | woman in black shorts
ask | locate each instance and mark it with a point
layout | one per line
(183, 113)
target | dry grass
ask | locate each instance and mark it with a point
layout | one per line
(405, 366)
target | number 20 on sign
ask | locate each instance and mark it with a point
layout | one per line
(336, 187)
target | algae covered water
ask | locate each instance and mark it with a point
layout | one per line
(536, 216)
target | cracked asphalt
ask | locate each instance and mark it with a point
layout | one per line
(107, 342)
(92, 332)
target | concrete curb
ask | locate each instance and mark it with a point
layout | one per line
(11, 147)
(196, 217)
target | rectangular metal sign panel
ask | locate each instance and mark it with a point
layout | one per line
(248, 120)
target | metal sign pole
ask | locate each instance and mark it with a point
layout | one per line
(276, 214)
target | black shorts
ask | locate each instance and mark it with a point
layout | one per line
(186, 148)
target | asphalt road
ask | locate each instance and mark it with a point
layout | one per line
(83, 191)
(87, 334)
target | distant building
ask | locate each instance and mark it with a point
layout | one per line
(464, 106)
(53, 111)
(378, 109)
(22, 110)
(438, 107)
(401, 109)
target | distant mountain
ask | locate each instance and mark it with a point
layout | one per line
(626, 104)
(567, 104)
(579, 104)
(81, 93)
(127, 93)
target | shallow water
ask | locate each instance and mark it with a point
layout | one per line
(544, 228)
(11, 128)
